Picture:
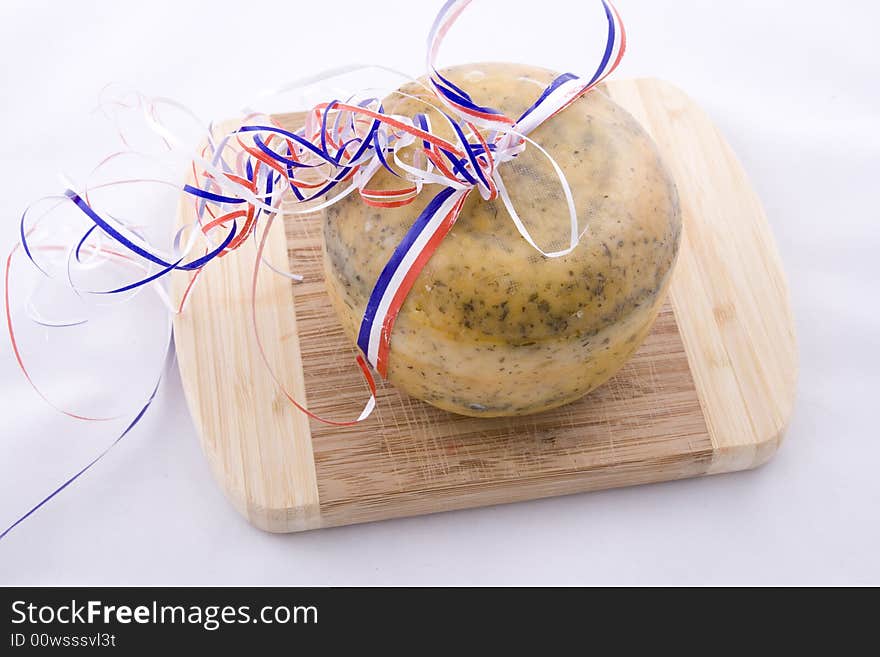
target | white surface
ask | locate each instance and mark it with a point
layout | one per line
(794, 88)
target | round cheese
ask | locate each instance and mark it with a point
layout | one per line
(491, 327)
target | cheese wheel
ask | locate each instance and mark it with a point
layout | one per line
(491, 327)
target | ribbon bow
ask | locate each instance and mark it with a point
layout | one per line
(241, 177)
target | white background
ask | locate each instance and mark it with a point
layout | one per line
(793, 85)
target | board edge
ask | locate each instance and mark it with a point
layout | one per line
(737, 353)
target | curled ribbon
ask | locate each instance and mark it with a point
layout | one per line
(239, 178)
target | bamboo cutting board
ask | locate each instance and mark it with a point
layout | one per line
(710, 391)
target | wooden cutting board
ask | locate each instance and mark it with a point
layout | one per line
(710, 391)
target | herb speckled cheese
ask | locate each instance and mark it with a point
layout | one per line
(491, 327)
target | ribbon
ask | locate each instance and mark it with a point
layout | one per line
(240, 177)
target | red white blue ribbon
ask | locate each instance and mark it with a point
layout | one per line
(240, 177)
(401, 270)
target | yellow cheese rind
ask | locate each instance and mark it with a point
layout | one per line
(491, 327)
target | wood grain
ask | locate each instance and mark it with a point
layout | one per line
(709, 391)
(729, 290)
